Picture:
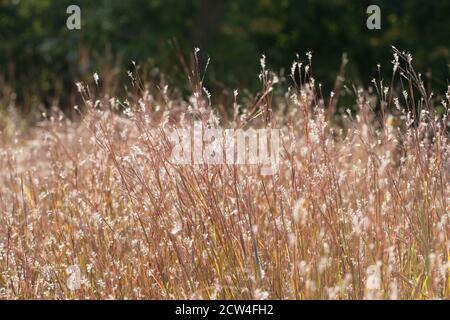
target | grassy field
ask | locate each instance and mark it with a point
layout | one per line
(93, 208)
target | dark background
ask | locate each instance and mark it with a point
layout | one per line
(40, 59)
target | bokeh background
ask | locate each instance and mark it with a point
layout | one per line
(40, 59)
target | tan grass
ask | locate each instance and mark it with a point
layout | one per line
(359, 210)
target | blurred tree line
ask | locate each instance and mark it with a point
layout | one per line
(40, 59)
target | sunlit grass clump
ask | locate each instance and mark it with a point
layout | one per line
(93, 208)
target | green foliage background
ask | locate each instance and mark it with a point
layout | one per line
(41, 59)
